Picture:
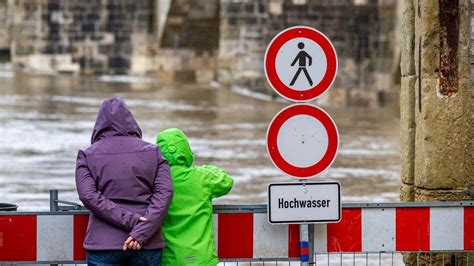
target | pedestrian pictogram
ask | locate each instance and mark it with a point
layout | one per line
(301, 58)
(302, 140)
(300, 63)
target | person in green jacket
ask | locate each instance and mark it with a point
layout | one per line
(187, 228)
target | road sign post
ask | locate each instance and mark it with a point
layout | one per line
(302, 140)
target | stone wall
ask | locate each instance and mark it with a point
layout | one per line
(173, 39)
(90, 37)
(4, 26)
(242, 45)
(190, 41)
(195, 39)
(363, 33)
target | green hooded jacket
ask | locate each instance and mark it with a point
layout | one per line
(188, 227)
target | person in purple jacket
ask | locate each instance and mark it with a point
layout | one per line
(125, 183)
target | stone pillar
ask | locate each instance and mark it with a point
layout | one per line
(407, 100)
(443, 162)
(437, 130)
(162, 8)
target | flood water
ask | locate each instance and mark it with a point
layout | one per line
(44, 120)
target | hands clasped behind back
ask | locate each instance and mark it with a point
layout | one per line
(132, 243)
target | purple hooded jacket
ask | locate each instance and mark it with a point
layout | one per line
(119, 178)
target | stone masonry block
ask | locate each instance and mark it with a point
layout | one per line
(408, 38)
(464, 49)
(407, 193)
(427, 195)
(443, 130)
(428, 26)
(204, 76)
(407, 128)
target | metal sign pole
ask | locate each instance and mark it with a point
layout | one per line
(53, 200)
(304, 241)
(304, 244)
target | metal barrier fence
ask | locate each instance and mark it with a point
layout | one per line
(368, 234)
(392, 258)
(342, 259)
(376, 258)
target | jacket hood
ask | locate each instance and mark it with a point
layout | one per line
(175, 147)
(114, 119)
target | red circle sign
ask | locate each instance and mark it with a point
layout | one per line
(300, 63)
(302, 140)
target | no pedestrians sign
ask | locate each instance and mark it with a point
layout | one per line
(300, 63)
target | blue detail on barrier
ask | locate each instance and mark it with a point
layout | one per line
(304, 244)
(304, 251)
(304, 258)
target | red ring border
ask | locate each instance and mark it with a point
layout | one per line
(272, 135)
(270, 58)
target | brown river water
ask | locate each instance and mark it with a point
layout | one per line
(45, 119)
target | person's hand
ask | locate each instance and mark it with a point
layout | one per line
(131, 243)
(143, 219)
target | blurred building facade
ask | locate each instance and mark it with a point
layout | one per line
(112, 37)
(87, 37)
(199, 40)
(4, 28)
(363, 33)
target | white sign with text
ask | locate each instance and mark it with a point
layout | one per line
(305, 202)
